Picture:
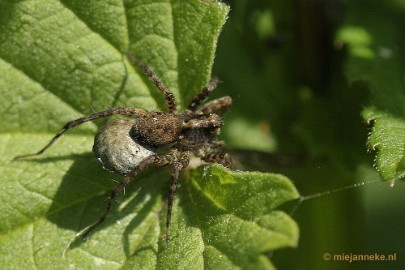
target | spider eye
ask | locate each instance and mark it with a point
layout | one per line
(157, 128)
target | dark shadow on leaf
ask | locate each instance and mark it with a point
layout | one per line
(141, 215)
(84, 180)
(82, 197)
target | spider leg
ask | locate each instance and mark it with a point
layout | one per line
(204, 121)
(81, 120)
(157, 160)
(219, 106)
(169, 97)
(179, 165)
(204, 93)
(213, 152)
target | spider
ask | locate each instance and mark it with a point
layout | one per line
(130, 145)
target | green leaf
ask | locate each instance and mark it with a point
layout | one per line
(375, 45)
(59, 60)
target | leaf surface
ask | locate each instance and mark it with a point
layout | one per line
(375, 46)
(61, 60)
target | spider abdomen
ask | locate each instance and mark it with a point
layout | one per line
(116, 149)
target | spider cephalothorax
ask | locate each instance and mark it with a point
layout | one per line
(128, 146)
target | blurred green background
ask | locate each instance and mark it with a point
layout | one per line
(284, 64)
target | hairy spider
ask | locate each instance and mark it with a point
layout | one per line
(129, 146)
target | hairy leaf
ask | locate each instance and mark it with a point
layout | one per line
(375, 46)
